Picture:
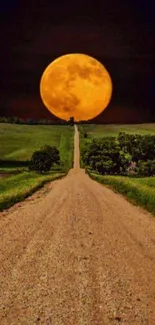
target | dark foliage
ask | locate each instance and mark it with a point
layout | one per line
(53, 153)
(125, 155)
(71, 121)
(105, 156)
(140, 147)
(17, 120)
(146, 168)
(43, 159)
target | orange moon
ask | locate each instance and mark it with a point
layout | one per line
(76, 85)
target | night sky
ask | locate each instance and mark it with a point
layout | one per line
(120, 34)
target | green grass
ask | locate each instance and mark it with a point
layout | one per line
(17, 188)
(9, 170)
(113, 129)
(139, 191)
(147, 181)
(18, 142)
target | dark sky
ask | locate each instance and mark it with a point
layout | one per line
(118, 33)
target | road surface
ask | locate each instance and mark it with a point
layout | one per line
(76, 253)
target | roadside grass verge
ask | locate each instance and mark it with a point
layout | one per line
(139, 191)
(148, 181)
(16, 188)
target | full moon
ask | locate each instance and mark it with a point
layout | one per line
(76, 85)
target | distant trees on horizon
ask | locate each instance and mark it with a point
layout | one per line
(32, 121)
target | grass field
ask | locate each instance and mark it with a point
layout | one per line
(113, 129)
(18, 142)
(17, 188)
(139, 191)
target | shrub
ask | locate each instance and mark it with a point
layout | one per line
(140, 147)
(53, 152)
(71, 121)
(40, 161)
(153, 167)
(105, 166)
(105, 156)
(144, 168)
(128, 154)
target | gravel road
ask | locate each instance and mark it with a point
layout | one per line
(76, 253)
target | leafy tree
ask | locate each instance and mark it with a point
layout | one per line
(105, 156)
(124, 163)
(105, 166)
(153, 167)
(71, 121)
(140, 147)
(144, 168)
(124, 155)
(40, 161)
(53, 153)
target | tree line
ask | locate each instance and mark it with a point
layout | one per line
(126, 154)
(32, 121)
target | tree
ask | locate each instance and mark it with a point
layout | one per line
(105, 156)
(53, 152)
(105, 166)
(40, 161)
(71, 121)
(153, 167)
(140, 147)
(144, 168)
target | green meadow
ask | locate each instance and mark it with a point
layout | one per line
(17, 144)
(96, 131)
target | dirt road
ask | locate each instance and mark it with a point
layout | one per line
(77, 254)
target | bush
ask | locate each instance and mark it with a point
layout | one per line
(144, 168)
(53, 152)
(105, 156)
(128, 154)
(105, 166)
(153, 167)
(41, 161)
(140, 147)
(71, 121)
